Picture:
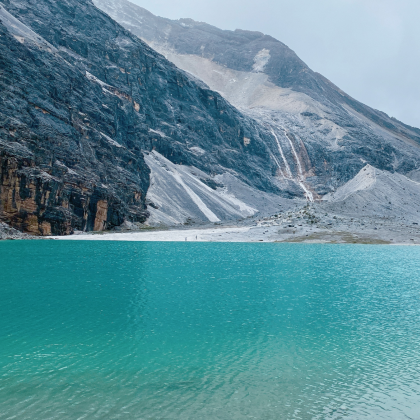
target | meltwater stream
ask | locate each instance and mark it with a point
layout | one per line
(125, 330)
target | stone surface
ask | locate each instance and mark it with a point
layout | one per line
(58, 162)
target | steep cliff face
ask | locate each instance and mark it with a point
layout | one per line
(59, 169)
(81, 100)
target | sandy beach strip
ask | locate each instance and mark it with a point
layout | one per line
(182, 235)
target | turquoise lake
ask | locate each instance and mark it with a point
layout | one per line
(134, 330)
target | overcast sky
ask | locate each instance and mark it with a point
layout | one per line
(369, 48)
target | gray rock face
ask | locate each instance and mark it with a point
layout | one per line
(81, 99)
(61, 168)
(319, 137)
(241, 50)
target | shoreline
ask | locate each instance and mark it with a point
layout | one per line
(298, 226)
(247, 234)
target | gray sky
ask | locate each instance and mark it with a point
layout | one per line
(369, 48)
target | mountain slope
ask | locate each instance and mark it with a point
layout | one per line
(55, 125)
(376, 193)
(244, 51)
(321, 137)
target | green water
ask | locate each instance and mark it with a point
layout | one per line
(125, 330)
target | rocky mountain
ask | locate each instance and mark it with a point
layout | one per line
(82, 100)
(320, 137)
(104, 124)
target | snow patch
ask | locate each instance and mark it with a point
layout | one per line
(109, 89)
(93, 78)
(111, 141)
(70, 171)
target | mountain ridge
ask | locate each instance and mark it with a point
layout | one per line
(195, 46)
(324, 136)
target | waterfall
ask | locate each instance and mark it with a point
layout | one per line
(287, 174)
(301, 177)
(288, 171)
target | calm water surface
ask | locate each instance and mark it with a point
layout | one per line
(123, 330)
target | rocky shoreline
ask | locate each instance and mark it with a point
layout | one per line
(309, 224)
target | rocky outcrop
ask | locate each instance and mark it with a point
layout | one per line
(8, 233)
(36, 202)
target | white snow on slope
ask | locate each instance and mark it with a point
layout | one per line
(159, 133)
(111, 90)
(110, 141)
(198, 151)
(93, 78)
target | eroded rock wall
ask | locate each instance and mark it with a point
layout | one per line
(60, 169)
(38, 203)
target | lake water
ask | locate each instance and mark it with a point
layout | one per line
(123, 330)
